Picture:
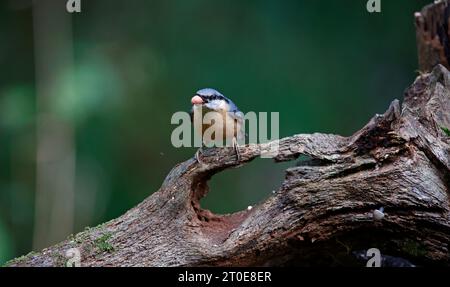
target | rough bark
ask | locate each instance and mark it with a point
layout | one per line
(433, 35)
(323, 210)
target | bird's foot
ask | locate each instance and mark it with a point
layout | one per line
(197, 156)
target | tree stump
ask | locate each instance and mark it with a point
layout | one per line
(433, 35)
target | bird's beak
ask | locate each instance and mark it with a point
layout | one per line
(196, 100)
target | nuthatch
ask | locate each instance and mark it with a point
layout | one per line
(221, 110)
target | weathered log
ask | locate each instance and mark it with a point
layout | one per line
(321, 213)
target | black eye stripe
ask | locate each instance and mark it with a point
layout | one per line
(212, 97)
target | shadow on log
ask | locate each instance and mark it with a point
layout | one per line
(323, 212)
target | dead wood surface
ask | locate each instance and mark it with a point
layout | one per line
(433, 35)
(322, 211)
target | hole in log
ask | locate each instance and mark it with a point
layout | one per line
(238, 189)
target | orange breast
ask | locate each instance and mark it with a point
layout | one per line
(229, 128)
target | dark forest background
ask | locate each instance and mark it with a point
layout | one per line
(326, 66)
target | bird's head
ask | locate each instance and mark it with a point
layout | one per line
(213, 100)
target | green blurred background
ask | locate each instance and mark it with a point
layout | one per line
(325, 65)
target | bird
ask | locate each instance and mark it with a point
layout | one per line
(221, 110)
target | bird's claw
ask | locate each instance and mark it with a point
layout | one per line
(199, 152)
(197, 156)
